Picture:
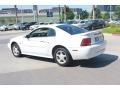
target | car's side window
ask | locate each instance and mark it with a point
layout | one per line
(43, 32)
(51, 32)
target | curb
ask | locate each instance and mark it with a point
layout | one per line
(107, 34)
(116, 34)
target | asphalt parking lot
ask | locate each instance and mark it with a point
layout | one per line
(104, 69)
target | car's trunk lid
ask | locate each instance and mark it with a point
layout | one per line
(96, 36)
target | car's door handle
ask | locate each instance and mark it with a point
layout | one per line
(44, 42)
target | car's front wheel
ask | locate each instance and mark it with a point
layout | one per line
(62, 57)
(16, 50)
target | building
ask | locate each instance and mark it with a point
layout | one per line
(9, 10)
(26, 11)
(13, 10)
(56, 10)
(106, 8)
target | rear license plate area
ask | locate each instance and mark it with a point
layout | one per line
(98, 39)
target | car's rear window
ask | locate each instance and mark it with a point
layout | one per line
(72, 29)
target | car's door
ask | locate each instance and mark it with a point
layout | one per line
(38, 42)
(97, 24)
(48, 41)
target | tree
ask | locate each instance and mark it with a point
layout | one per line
(117, 12)
(83, 14)
(16, 14)
(69, 14)
(97, 13)
(106, 15)
(59, 13)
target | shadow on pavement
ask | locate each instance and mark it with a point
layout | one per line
(40, 58)
(97, 62)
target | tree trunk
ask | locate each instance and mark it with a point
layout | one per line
(65, 17)
(16, 13)
(94, 12)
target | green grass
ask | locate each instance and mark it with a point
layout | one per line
(7, 20)
(112, 29)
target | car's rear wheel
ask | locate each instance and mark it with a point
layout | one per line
(16, 50)
(62, 57)
(6, 29)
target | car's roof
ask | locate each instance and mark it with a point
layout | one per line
(50, 25)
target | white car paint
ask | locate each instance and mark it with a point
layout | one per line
(81, 23)
(3, 28)
(43, 46)
(33, 27)
(15, 26)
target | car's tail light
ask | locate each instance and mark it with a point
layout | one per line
(86, 42)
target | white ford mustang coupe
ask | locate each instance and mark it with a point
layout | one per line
(62, 42)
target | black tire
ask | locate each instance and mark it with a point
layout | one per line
(19, 28)
(23, 29)
(92, 28)
(6, 29)
(18, 52)
(63, 61)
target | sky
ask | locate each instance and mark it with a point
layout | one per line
(84, 7)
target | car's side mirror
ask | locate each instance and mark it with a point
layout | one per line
(27, 36)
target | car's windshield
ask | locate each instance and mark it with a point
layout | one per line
(10, 24)
(89, 22)
(72, 29)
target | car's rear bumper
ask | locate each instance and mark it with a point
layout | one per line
(88, 52)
